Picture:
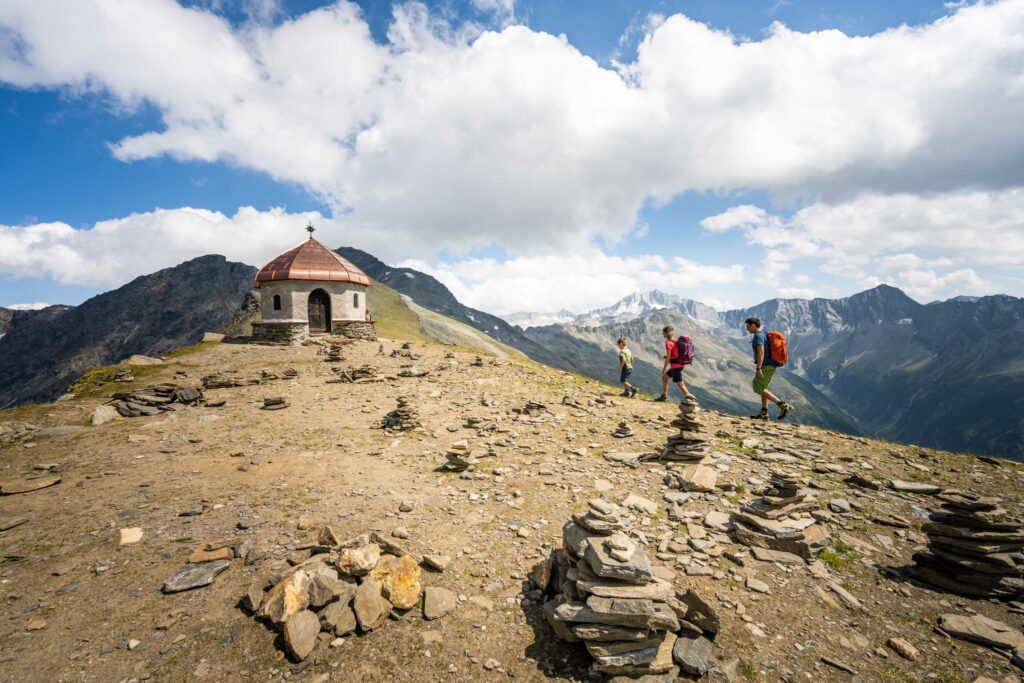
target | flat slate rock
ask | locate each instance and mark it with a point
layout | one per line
(28, 486)
(194, 576)
(694, 656)
(768, 555)
(982, 630)
(11, 523)
(914, 487)
(300, 634)
(635, 570)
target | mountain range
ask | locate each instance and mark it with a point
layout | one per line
(947, 374)
(44, 351)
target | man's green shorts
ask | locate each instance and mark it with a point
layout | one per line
(761, 383)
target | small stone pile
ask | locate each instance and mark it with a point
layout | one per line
(413, 371)
(780, 519)
(353, 587)
(604, 592)
(481, 424)
(533, 409)
(274, 403)
(123, 375)
(361, 375)
(333, 353)
(478, 362)
(974, 548)
(404, 418)
(623, 430)
(405, 351)
(460, 457)
(689, 445)
(155, 400)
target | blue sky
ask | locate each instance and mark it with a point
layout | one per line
(89, 142)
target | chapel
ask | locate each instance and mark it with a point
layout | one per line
(311, 290)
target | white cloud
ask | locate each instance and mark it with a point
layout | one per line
(34, 306)
(888, 231)
(919, 243)
(451, 137)
(577, 282)
(113, 252)
(927, 285)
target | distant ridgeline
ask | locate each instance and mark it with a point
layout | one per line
(946, 375)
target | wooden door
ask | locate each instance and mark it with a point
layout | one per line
(319, 311)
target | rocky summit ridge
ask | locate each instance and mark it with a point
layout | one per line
(412, 510)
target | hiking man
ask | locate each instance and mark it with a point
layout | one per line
(673, 366)
(764, 368)
(626, 369)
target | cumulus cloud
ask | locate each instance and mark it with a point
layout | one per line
(890, 231)
(113, 252)
(459, 137)
(930, 246)
(577, 282)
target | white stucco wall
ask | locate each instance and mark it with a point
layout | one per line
(295, 300)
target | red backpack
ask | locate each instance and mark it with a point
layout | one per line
(684, 350)
(777, 347)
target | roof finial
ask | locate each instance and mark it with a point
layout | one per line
(310, 229)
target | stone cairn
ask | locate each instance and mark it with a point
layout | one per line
(478, 362)
(348, 587)
(460, 457)
(155, 400)
(361, 375)
(404, 418)
(123, 375)
(781, 519)
(274, 403)
(974, 548)
(689, 445)
(623, 430)
(603, 591)
(405, 351)
(333, 353)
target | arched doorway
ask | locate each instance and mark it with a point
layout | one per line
(319, 311)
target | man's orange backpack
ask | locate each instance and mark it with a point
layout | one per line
(777, 347)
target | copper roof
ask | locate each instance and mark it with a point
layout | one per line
(311, 261)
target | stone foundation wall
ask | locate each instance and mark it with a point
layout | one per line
(354, 329)
(285, 334)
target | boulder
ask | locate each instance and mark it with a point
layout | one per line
(290, 596)
(399, 579)
(437, 602)
(358, 561)
(370, 606)
(300, 634)
(104, 414)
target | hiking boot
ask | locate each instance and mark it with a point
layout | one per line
(661, 399)
(625, 392)
(633, 392)
(760, 415)
(784, 410)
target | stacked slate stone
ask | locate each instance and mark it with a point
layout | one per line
(604, 592)
(404, 418)
(333, 353)
(780, 519)
(534, 409)
(123, 375)
(623, 431)
(364, 374)
(154, 400)
(460, 457)
(689, 445)
(973, 549)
